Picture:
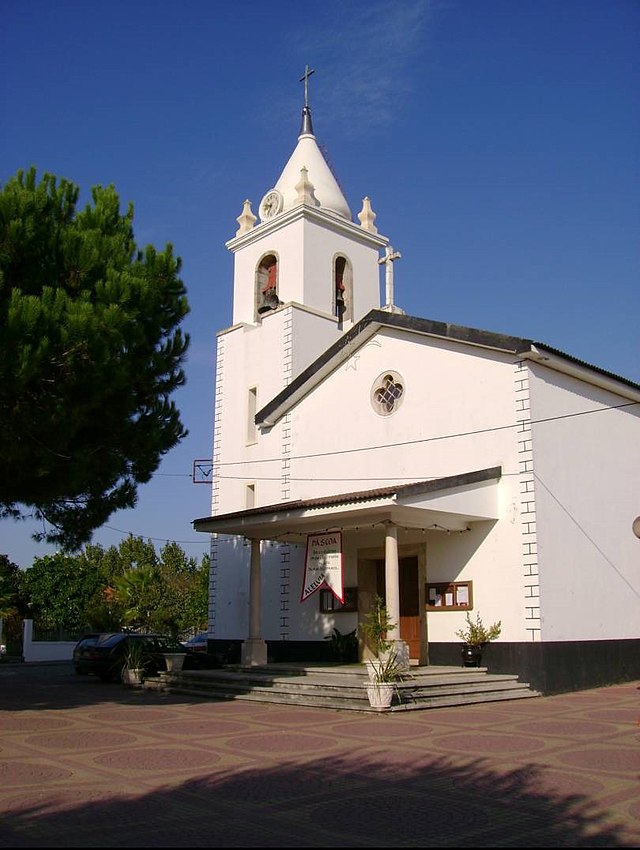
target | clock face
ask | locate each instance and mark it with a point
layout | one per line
(271, 204)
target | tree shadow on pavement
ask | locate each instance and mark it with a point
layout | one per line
(349, 801)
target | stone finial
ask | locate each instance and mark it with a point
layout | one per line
(305, 189)
(367, 216)
(246, 219)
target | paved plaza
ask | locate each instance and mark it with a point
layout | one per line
(89, 764)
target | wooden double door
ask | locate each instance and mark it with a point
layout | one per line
(410, 626)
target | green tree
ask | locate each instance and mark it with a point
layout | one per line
(13, 605)
(125, 586)
(90, 352)
(182, 607)
(9, 586)
(139, 590)
(59, 588)
(103, 611)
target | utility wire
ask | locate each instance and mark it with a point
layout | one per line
(372, 448)
(437, 438)
(158, 539)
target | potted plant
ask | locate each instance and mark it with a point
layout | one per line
(474, 637)
(385, 668)
(385, 673)
(343, 647)
(133, 670)
(375, 627)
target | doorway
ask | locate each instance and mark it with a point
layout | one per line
(410, 628)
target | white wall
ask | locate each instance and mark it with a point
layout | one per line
(587, 484)
(262, 356)
(446, 423)
(41, 650)
(460, 412)
(449, 389)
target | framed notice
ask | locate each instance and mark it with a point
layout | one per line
(449, 596)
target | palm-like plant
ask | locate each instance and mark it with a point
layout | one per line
(376, 627)
(133, 655)
(386, 667)
(136, 590)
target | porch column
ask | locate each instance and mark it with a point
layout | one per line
(254, 650)
(392, 585)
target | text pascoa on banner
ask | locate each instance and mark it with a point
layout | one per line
(323, 564)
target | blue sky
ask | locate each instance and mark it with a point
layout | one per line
(499, 141)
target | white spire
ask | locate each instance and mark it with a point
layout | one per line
(308, 155)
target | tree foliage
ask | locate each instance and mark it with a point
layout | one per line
(10, 597)
(59, 587)
(129, 586)
(13, 605)
(90, 352)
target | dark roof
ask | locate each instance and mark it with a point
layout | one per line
(556, 351)
(375, 319)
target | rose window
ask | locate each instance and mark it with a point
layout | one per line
(387, 392)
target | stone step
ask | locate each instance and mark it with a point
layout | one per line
(344, 686)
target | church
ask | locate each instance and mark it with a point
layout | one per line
(360, 452)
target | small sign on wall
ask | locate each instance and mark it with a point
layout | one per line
(449, 596)
(323, 564)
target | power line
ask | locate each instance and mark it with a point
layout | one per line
(583, 531)
(375, 448)
(437, 438)
(395, 478)
(156, 539)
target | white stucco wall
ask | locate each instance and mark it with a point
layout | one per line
(451, 419)
(261, 356)
(282, 569)
(587, 484)
(44, 650)
(455, 417)
(459, 414)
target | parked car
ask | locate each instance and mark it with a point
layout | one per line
(105, 657)
(86, 640)
(198, 643)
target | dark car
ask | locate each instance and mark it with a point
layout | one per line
(84, 642)
(198, 643)
(105, 657)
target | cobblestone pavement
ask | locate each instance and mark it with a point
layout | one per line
(89, 764)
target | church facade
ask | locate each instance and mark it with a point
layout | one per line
(458, 471)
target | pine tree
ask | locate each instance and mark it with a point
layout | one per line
(90, 352)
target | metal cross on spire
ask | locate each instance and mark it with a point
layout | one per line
(305, 78)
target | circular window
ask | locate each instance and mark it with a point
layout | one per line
(387, 393)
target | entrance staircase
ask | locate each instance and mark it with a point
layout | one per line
(343, 686)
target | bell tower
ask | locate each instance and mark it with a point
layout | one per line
(304, 274)
(304, 249)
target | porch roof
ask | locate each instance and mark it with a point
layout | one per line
(449, 504)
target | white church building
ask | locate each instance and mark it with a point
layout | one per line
(451, 470)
